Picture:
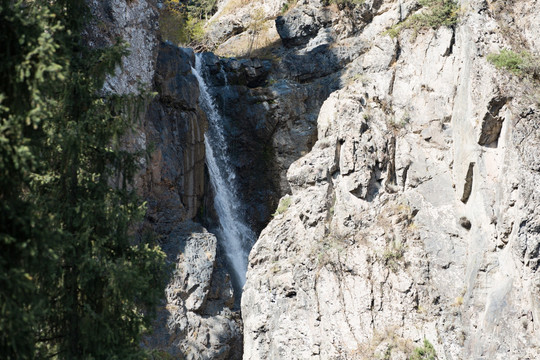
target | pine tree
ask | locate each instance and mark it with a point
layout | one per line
(74, 284)
(29, 72)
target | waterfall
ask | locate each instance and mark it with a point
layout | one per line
(235, 235)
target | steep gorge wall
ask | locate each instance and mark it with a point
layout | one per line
(413, 216)
(197, 318)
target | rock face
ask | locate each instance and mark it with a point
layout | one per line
(301, 24)
(197, 318)
(175, 125)
(136, 23)
(243, 103)
(271, 107)
(414, 215)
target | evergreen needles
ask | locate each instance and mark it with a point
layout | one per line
(73, 283)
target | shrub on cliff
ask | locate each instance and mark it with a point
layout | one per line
(425, 352)
(182, 22)
(435, 14)
(519, 63)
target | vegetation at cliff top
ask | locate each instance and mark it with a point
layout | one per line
(181, 21)
(434, 14)
(73, 283)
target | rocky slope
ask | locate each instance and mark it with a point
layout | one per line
(414, 215)
(411, 168)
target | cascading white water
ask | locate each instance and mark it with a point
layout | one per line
(236, 236)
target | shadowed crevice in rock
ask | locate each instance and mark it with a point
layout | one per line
(492, 122)
(391, 166)
(468, 184)
(450, 48)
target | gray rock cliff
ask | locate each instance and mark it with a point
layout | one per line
(413, 216)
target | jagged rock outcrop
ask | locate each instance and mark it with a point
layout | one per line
(302, 23)
(271, 106)
(414, 215)
(196, 320)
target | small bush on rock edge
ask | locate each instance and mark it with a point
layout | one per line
(284, 204)
(426, 352)
(519, 63)
(436, 13)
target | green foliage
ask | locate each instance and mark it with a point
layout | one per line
(393, 254)
(195, 29)
(172, 23)
(288, 5)
(73, 283)
(29, 71)
(284, 204)
(519, 63)
(436, 13)
(182, 22)
(508, 59)
(350, 3)
(426, 352)
(201, 9)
